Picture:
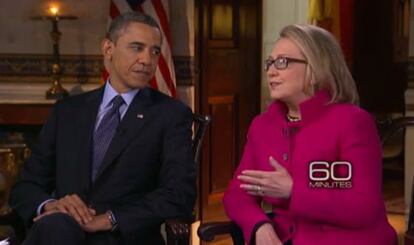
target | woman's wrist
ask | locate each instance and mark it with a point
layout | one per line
(256, 228)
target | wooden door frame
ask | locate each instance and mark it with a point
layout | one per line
(199, 100)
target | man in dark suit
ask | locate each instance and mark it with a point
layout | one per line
(112, 164)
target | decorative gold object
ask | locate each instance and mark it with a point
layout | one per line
(12, 158)
(7, 161)
(56, 91)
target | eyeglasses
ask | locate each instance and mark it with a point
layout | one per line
(281, 63)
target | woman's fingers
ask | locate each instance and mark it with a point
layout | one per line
(255, 173)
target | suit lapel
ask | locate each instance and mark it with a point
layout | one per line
(129, 127)
(85, 127)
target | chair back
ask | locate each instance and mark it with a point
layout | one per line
(394, 126)
(201, 123)
(178, 230)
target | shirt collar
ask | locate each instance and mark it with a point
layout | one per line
(110, 93)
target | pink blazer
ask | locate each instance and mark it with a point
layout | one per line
(316, 215)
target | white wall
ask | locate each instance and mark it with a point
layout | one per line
(22, 35)
(182, 30)
(182, 27)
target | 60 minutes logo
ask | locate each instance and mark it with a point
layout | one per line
(330, 175)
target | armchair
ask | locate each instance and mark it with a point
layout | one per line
(178, 231)
(396, 125)
(208, 231)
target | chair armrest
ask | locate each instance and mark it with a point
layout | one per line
(13, 219)
(208, 231)
(178, 231)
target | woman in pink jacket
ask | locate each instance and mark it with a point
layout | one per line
(314, 155)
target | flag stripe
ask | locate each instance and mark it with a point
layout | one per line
(164, 78)
(159, 79)
(149, 9)
(113, 10)
(153, 83)
(157, 76)
(167, 76)
(162, 16)
(165, 47)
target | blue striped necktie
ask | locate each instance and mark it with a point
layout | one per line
(103, 134)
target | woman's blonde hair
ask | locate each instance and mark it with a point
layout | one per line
(326, 67)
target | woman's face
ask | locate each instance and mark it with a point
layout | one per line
(287, 82)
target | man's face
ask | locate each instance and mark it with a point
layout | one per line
(132, 59)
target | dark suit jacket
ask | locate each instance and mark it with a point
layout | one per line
(147, 175)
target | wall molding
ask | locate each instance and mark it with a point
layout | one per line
(185, 70)
(36, 68)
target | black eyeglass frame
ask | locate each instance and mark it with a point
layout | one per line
(287, 60)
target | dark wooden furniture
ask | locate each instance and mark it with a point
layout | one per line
(392, 141)
(396, 125)
(387, 21)
(21, 115)
(178, 231)
(24, 114)
(228, 60)
(208, 231)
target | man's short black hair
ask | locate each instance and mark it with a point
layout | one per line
(124, 19)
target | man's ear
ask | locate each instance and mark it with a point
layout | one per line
(107, 48)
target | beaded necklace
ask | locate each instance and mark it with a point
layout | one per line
(291, 118)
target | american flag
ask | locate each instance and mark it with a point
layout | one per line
(164, 79)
